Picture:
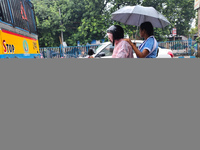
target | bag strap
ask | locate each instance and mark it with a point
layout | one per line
(154, 46)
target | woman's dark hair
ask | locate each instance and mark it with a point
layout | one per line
(147, 26)
(91, 52)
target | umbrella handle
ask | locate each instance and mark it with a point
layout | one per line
(136, 34)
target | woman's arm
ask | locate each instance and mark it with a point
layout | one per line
(139, 54)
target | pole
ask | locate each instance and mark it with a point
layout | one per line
(136, 33)
(61, 53)
(174, 33)
(198, 49)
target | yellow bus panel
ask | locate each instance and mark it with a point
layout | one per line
(14, 45)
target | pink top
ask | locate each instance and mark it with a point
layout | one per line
(122, 49)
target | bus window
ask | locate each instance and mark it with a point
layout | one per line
(6, 15)
(18, 13)
(1, 14)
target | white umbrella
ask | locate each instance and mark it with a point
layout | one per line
(135, 15)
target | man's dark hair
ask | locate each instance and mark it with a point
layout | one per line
(148, 27)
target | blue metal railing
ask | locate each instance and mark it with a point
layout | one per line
(184, 47)
(66, 52)
(181, 47)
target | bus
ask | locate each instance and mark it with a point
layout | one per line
(18, 31)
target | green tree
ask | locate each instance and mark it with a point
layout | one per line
(94, 22)
(179, 13)
(85, 20)
(48, 21)
(72, 14)
(193, 31)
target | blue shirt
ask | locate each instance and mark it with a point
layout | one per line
(149, 45)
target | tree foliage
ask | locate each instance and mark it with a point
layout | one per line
(85, 20)
(48, 21)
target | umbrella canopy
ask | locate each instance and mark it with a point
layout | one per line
(135, 15)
